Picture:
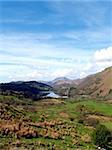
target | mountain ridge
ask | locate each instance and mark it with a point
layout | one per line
(95, 85)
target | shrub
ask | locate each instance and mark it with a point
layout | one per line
(101, 136)
(91, 122)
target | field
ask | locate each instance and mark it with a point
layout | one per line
(51, 124)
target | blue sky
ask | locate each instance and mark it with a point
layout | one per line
(42, 40)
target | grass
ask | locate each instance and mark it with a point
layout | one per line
(71, 133)
(104, 108)
(108, 125)
(70, 108)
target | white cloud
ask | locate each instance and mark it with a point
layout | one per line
(103, 54)
(103, 58)
(98, 61)
(48, 69)
(23, 57)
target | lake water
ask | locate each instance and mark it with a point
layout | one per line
(53, 95)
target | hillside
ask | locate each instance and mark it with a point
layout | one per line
(64, 80)
(99, 84)
(56, 124)
(52, 124)
(96, 85)
(31, 89)
(62, 85)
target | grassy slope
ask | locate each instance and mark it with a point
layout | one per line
(72, 135)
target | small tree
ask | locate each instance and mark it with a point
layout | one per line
(101, 136)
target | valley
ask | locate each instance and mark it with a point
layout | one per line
(62, 115)
(55, 75)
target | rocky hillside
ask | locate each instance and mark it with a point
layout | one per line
(99, 84)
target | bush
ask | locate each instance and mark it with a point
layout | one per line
(101, 136)
(91, 122)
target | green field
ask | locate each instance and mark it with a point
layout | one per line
(58, 124)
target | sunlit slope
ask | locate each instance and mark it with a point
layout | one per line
(99, 84)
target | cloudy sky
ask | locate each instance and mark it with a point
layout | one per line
(42, 40)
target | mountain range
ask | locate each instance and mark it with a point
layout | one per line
(96, 85)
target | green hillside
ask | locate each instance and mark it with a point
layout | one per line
(51, 123)
(30, 89)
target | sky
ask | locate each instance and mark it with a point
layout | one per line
(43, 40)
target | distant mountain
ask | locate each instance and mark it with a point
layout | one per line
(62, 85)
(30, 89)
(97, 85)
(59, 81)
(64, 80)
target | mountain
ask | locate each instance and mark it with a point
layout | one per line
(60, 81)
(62, 85)
(30, 89)
(97, 85)
(63, 80)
